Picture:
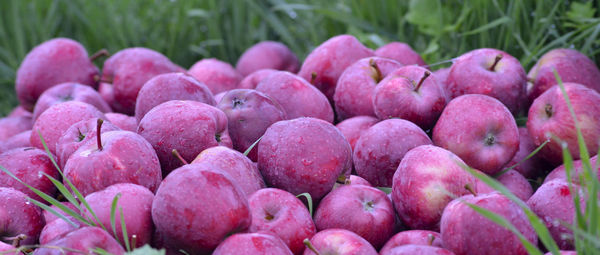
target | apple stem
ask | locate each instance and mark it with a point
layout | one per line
(342, 179)
(430, 239)
(100, 53)
(109, 81)
(548, 110)
(529, 79)
(310, 246)
(98, 133)
(178, 156)
(376, 71)
(470, 189)
(133, 240)
(425, 75)
(313, 78)
(16, 241)
(498, 57)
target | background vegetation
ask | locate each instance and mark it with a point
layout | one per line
(187, 31)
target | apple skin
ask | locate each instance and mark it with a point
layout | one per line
(136, 203)
(50, 63)
(292, 157)
(415, 249)
(11, 126)
(417, 237)
(59, 228)
(330, 59)
(122, 121)
(293, 92)
(354, 127)
(549, 114)
(340, 242)
(267, 55)
(470, 74)
(107, 92)
(396, 96)
(91, 170)
(19, 216)
(249, 114)
(535, 166)
(486, 143)
(400, 52)
(18, 141)
(571, 65)
(281, 214)
(85, 240)
(8, 249)
(465, 231)
(69, 91)
(28, 164)
(356, 86)
(195, 209)
(353, 180)
(77, 135)
(561, 173)
(200, 126)
(53, 122)
(170, 86)
(50, 217)
(19, 111)
(217, 75)
(513, 181)
(129, 69)
(376, 158)
(552, 202)
(252, 243)
(442, 76)
(242, 171)
(417, 190)
(364, 210)
(253, 79)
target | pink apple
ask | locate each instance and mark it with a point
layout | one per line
(31, 166)
(354, 127)
(418, 237)
(69, 91)
(400, 52)
(218, 76)
(19, 216)
(267, 55)
(340, 242)
(252, 243)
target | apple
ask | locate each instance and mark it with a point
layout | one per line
(490, 72)
(281, 214)
(577, 172)
(19, 216)
(17, 141)
(186, 126)
(107, 93)
(513, 181)
(361, 209)
(413, 249)
(553, 203)
(50, 217)
(324, 65)
(167, 87)
(441, 76)
(194, 209)
(249, 114)
(11, 126)
(423, 184)
(19, 111)
(135, 203)
(54, 121)
(376, 158)
(114, 157)
(77, 135)
(465, 231)
(122, 121)
(242, 171)
(550, 119)
(417, 237)
(253, 79)
(29, 165)
(267, 55)
(9, 249)
(353, 128)
(356, 86)
(217, 75)
(304, 155)
(69, 91)
(129, 69)
(84, 240)
(533, 167)
(352, 180)
(59, 228)
(400, 52)
(487, 143)
(292, 93)
(571, 65)
(252, 243)
(50, 63)
(339, 242)
(410, 93)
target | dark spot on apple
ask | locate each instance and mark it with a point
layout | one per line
(549, 110)
(564, 191)
(237, 102)
(490, 139)
(218, 137)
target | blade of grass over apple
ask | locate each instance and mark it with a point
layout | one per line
(63, 190)
(113, 210)
(309, 201)
(124, 229)
(522, 160)
(252, 146)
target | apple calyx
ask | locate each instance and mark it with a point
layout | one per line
(549, 111)
(178, 156)
(313, 77)
(369, 206)
(100, 53)
(498, 58)
(425, 75)
(490, 139)
(237, 102)
(269, 216)
(430, 238)
(375, 71)
(310, 246)
(98, 133)
(342, 179)
(470, 189)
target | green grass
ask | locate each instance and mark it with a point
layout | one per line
(187, 31)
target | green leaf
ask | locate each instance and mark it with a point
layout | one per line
(146, 250)
(252, 146)
(309, 200)
(580, 11)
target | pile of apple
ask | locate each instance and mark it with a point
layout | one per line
(169, 144)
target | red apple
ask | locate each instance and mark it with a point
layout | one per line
(122, 121)
(400, 52)
(69, 91)
(533, 167)
(19, 216)
(19, 140)
(340, 242)
(418, 237)
(354, 127)
(11, 126)
(576, 173)
(415, 249)
(513, 181)
(218, 76)
(252, 243)
(84, 240)
(77, 135)
(253, 79)
(29, 165)
(267, 55)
